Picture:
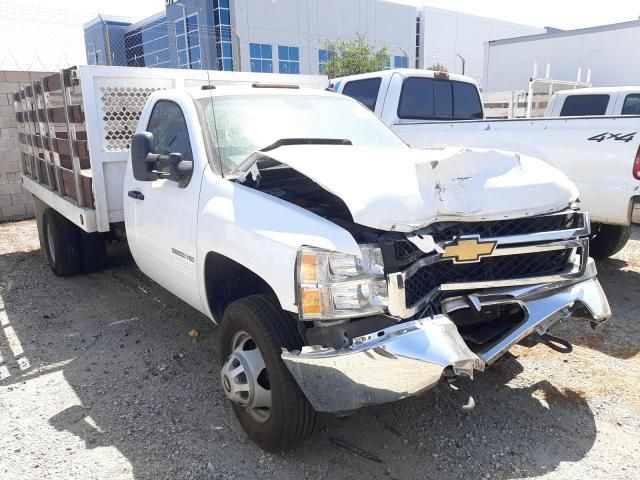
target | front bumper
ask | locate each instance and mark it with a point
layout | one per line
(410, 357)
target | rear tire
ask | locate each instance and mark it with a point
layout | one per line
(291, 418)
(62, 244)
(607, 240)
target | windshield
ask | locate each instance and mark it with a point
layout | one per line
(239, 125)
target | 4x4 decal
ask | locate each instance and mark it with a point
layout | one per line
(624, 137)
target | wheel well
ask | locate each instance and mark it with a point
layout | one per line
(227, 281)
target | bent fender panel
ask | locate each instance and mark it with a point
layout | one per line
(261, 233)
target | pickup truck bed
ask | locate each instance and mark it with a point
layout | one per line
(75, 129)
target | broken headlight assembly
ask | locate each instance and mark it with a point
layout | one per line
(337, 285)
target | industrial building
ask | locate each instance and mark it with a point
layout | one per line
(607, 52)
(288, 36)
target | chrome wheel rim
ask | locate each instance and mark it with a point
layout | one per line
(52, 252)
(244, 377)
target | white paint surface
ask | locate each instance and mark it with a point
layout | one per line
(405, 190)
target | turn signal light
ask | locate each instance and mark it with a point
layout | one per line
(311, 301)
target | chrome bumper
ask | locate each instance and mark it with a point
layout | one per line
(410, 357)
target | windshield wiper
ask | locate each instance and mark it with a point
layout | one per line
(306, 141)
(250, 164)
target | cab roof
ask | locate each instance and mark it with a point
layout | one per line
(256, 89)
(599, 90)
(406, 72)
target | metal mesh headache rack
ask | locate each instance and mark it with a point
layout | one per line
(75, 129)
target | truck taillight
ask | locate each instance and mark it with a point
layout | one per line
(636, 166)
(444, 75)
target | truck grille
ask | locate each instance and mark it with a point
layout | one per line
(508, 267)
(444, 232)
(507, 228)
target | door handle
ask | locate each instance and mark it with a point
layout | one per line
(136, 194)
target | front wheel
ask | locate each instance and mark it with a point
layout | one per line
(270, 406)
(607, 240)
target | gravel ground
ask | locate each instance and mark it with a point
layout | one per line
(99, 379)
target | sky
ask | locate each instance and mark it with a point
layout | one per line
(564, 14)
(41, 35)
(45, 35)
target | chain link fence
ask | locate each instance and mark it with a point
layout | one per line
(183, 43)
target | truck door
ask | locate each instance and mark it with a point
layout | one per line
(160, 215)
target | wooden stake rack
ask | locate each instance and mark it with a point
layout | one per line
(53, 138)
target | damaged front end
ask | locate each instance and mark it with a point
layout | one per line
(460, 254)
(450, 312)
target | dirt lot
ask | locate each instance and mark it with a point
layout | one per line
(99, 379)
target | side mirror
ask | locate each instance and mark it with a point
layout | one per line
(148, 166)
(142, 163)
(180, 170)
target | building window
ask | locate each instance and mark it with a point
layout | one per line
(288, 59)
(400, 61)
(188, 42)
(223, 37)
(324, 58)
(261, 57)
(94, 57)
(417, 42)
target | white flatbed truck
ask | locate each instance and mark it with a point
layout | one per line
(343, 268)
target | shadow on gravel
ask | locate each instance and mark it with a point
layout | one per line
(148, 389)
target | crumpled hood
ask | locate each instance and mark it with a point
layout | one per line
(404, 190)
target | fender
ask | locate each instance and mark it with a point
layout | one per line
(262, 233)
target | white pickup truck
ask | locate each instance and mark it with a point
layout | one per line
(601, 154)
(343, 268)
(591, 102)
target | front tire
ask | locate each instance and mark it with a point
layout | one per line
(607, 240)
(254, 330)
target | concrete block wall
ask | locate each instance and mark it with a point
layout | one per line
(15, 202)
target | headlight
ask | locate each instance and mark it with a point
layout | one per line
(337, 285)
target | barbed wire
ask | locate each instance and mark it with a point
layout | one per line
(43, 39)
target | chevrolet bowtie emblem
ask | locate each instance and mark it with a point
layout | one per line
(468, 250)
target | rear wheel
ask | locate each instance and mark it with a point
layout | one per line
(62, 244)
(270, 406)
(607, 240)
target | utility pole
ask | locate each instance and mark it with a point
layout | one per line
(186, 37)
(463, 62)
(406, 55)
(107, 40)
